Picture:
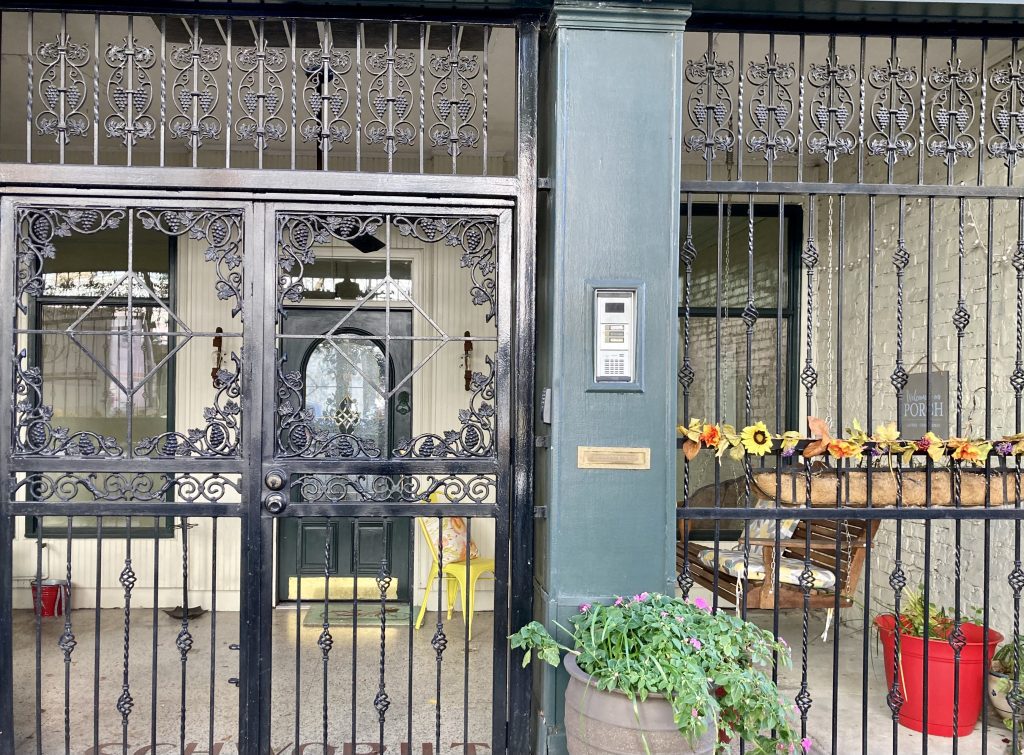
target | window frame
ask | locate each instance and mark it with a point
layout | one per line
(793, 216)
(165, 527)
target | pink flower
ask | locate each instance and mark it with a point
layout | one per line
(584, 607)
(664, 614)
(805, 743)
(636, 598)
(696, 643)
(694, 712)
(701, 604)
(618, 601)
(644, 596)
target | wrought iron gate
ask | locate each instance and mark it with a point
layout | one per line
(267, 450)
(853, 250)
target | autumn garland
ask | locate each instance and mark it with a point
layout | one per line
(757, 440)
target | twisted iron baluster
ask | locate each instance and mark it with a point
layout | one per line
(67, 645)
(749, 317)
(325, 642)
(809, 378)
(687, 255)
(1015, 698)
(184, 638)
(961, 319)
(381, 701)
(439, 641)
(897, 578)
(125, 703)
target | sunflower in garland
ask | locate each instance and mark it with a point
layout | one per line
(756, 439)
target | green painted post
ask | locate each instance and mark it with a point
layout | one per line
(611, 121)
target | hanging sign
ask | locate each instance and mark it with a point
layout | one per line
(925, 405)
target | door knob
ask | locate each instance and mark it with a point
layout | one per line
(275, 503)
(275, 479)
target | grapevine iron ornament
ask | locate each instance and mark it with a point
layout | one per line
(389, 95)
(260, 93)
(771, 107)
(130, 91)
(454, 101)
(325, 95)
(832, 108)
(1008, 113)
(195, 92)
(62, 87)
(710, 105)
(952, 112)
(892, 110)
(38, 231)
(299, 434)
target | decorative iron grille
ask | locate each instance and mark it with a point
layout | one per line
(899, 156)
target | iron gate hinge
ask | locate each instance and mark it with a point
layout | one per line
(542, 441)
(540, 512)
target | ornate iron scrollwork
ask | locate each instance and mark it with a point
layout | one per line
(1008, 113)
(710, 105)
(63, 88)
(402, 488)
(389, 95)
(952, 112)
(325, 95)
(38, 231)
(260, 93)
(34, 433)
(475, 437)
(126, 486)
(195, 93)
(454, 100)
(477, 239)
(130, 92)
(832, 109)
(771, 107)
(892, 110)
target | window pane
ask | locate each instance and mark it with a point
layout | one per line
(769, 385)
(735, 262)
(345, 388)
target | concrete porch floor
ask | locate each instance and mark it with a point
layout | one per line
(306, 695)
(455, 716)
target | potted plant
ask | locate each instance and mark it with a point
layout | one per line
(656, 674)
(976, 651)
(1001, 675)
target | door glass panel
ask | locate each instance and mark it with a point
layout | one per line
(345, 389)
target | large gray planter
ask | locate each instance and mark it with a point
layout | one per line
(606, 723)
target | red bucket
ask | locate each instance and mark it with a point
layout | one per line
(974, 662)
(50, 597)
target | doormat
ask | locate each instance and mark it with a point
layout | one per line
(342, 615)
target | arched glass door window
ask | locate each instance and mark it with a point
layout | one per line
(346, 385)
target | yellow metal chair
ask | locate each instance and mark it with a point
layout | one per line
(455, 575)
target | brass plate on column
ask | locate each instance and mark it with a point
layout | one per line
(612, 457)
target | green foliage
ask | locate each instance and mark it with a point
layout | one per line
(940, 620)
(714, 668)
(1005, 659)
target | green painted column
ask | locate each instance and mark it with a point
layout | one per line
(611, 119)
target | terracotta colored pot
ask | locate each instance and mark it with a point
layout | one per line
(605, 723)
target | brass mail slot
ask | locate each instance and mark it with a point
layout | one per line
(610, 457)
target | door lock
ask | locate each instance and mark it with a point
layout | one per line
(275, 503)
(275, 479)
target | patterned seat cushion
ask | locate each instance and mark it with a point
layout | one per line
(730, 560)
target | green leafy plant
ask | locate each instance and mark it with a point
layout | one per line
(712, 667)
(940, 620)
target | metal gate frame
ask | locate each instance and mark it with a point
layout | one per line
(511, 199)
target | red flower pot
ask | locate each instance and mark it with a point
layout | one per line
(974, 662)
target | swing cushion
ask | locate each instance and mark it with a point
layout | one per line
(730, 560)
